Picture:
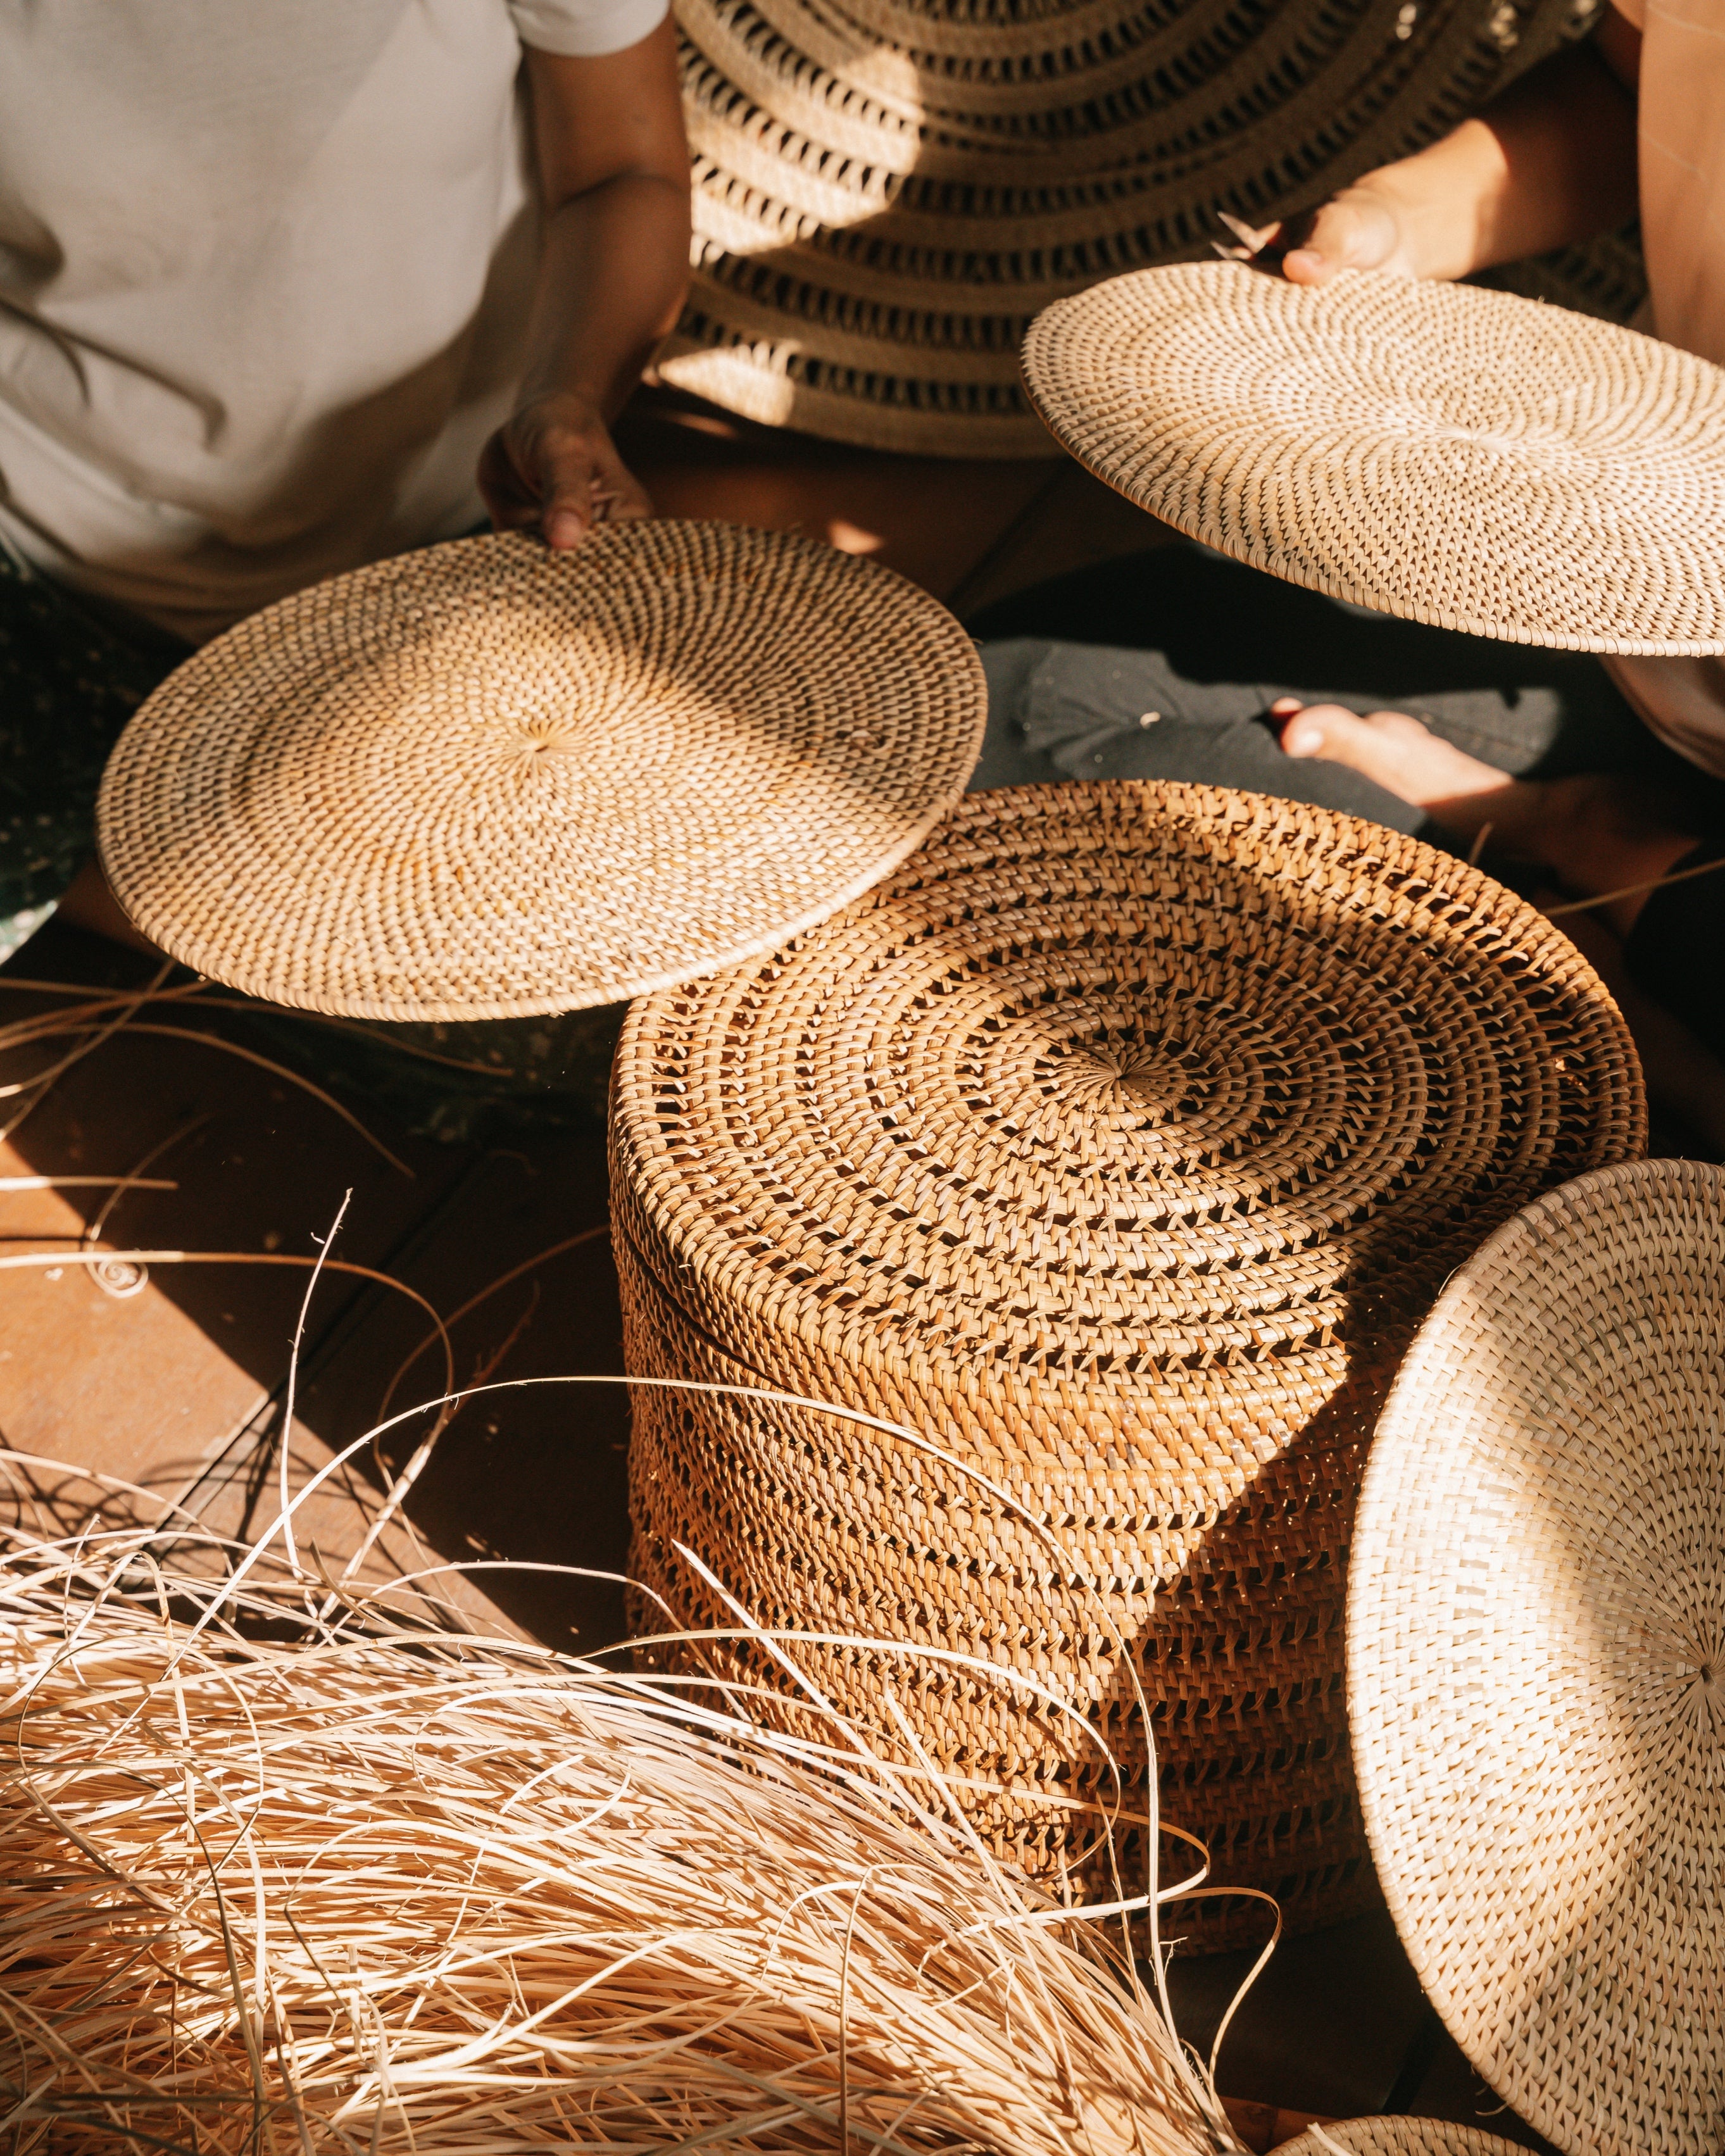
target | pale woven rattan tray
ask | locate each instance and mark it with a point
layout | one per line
(885, 192)
(483, 781)
(1463, 457)
(1116, 1145)
(1537, 1659)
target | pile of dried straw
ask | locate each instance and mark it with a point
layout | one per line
(284, 1872)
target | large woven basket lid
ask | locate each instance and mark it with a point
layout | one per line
(1537, 1659)
(484, 781)
(1458, 456)
(1397, 2137)
(886, 191)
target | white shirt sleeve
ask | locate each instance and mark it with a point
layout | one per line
(584, 29)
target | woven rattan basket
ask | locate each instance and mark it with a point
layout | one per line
(886, 191)
(1537, 1659)
(1397, 2137)
(1116, 1145)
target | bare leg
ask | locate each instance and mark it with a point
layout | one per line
(1593, 834)
(88, 903)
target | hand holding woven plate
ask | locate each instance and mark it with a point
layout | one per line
(553, 465)
(1435, 451)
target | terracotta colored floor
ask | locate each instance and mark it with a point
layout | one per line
(181, 1385)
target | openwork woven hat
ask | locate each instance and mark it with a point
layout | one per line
(484, 781)
(1399, 2137)
(886, 191)
(1537, 1659)
(1457, 456)
(1115, 1146)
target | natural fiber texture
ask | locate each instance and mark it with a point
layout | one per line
(1399, 2137)
(349, 1886)
(1112, 1151)
(886, 191)
(1537, 1659)
(1446, 454)
(484, 781)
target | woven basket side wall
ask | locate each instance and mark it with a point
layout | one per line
(1112, 1150)
(822, 1526)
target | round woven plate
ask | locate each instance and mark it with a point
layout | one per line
(1457, 456)
(1399, 2137)
(483, 781)
(1117, 1142)
(1537, 1659)
(885, 191)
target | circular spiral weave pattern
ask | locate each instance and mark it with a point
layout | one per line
(1397, 2137)
(1537, 1659)
(1114, 1147)
(886, 191)
(1452, 455)
(484, 781)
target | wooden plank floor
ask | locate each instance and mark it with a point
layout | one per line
(180, 1382)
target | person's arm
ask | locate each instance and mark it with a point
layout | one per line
(1552, 161)
(614, 176)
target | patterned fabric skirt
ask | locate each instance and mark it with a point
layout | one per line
(69, 680)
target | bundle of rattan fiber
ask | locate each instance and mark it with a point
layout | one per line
(274, 1881)
(1110, 1153)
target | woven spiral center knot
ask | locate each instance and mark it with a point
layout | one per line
(1161, 1080)
(1700, 1664)
(548, 734)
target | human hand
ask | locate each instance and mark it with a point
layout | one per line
(1362, 228)
(553, 467)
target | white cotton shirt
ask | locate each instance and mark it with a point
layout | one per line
(264, 271)
(1682, 161)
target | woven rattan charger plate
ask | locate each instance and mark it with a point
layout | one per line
(1537, 1659)
(1116, 1145)
(1455, 456)
(484, 781)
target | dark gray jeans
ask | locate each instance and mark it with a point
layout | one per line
(1165, 664)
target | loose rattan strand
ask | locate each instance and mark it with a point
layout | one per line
(1115, 1146)
(484, 781)
(1537, 1659)
(1453, 455)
